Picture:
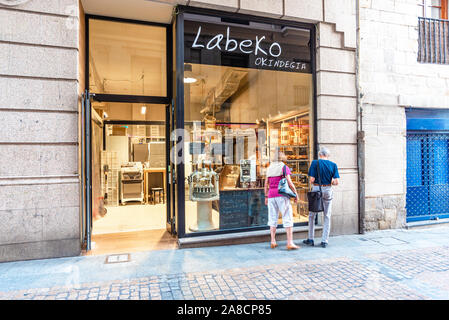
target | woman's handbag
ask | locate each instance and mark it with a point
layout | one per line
(284, 188)
(315, 198)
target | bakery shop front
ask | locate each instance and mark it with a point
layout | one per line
(219, 93)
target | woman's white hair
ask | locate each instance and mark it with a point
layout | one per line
(324, 152)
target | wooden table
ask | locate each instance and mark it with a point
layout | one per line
(145, 180)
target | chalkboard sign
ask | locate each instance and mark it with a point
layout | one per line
(242, 208)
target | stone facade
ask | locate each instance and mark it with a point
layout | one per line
(391, 79)
(42, 76)
(39, 183)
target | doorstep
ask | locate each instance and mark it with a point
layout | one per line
(427, 223)
(243, 237)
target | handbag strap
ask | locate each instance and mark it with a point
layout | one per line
(283, 170)
(319, 178)
(319, 181)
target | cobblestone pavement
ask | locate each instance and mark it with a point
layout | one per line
(395, 273)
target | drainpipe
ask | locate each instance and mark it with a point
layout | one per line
(360, 132)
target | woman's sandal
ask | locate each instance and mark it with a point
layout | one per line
(273, 245)
(292, 247)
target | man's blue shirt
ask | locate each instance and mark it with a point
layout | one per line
(328, 171)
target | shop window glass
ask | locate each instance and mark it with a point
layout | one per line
(127, 58)
(248, 92)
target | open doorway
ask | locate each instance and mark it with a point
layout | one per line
(129, 95)
(129, 181)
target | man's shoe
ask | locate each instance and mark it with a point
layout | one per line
(308, 242)
(324, 244)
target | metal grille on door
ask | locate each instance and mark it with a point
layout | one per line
(427, 176)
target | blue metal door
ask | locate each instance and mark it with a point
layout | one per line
(427, 175)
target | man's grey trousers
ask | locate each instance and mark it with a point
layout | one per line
(327, 203)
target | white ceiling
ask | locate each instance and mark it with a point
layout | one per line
(145, 10)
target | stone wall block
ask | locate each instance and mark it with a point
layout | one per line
(38, 160)
(337, 60)
(227, 5)
(39, 196)
(18, 226)
(35, 61)
(270, 8)
(328, 37)
(40, 250)
(39, 127)
(61, 223)
(332, 107)
(348, 224)
(307, 10)
(31, 28)
(345, 202)
(59, 7)
(380, 188)
(381, 150)
(330, 131)
(21, 93)
(342, 13)
(336, 84)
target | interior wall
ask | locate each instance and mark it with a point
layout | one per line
(132, 111)
(269, 93)
(261, 94)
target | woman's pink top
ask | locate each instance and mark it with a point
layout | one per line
(273, 183)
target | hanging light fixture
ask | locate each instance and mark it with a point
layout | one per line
(189, 77)
(143, 109)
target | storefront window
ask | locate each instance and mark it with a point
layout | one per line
(248, 92)
(127, 58)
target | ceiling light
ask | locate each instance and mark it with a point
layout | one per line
(105, 115)
(189, 77)
(143, 110)
(190, 80)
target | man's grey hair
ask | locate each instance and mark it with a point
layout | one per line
(324, 152)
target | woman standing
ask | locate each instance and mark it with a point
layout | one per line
(277, 203)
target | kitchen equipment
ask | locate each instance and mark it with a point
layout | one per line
(140, 152)
(131, 182)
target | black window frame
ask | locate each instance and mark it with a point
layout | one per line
(181, 10)
(106, 97)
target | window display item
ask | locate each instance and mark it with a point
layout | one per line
(203, 188)
(247, 172)
(209, 122)
(229, 177)
(203, 185)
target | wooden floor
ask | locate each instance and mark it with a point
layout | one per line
(126, 242)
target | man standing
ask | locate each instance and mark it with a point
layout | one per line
(329, 176)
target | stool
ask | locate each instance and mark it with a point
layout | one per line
(157, 191)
